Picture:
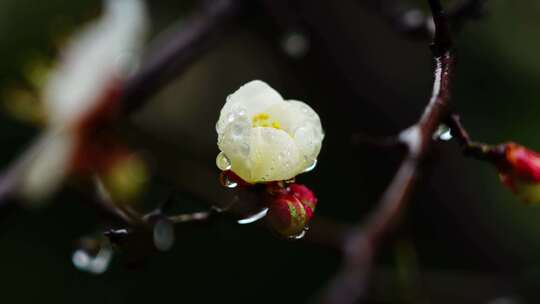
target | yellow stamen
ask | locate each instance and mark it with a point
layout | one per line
(263, 120)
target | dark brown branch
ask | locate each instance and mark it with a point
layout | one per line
(477, 150)
(350, 283)
(458, 131)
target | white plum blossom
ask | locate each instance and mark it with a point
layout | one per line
(98, 57)
(94, 63)
(266, 138)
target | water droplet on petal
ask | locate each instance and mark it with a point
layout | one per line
(231, 117)
(163, 235)
(223, 162)
(237, 130)
(97, 263)
(311, 166)
(244, 149)
(253, 218)
(443, 133)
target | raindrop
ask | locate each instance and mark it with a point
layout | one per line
(223, 162)
(443, 133)
(163, 235)
(299, 235)
(311, 166)
(253, 218)
(98, 263)
(238, 130)
(295, 44)
(231, 117)
(244, 149)
(226, 181)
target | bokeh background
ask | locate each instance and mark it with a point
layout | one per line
(464, 238)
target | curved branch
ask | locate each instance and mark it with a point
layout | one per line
(350, 283)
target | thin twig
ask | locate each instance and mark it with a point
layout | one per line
(458, 131)
(351, 282)
(477, 150)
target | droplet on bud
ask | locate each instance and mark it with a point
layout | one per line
(223, 162)
(299, 235)
(443, 133)
(163, 234)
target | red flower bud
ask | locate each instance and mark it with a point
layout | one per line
(519, 169)
(287, 215)
(306, 197)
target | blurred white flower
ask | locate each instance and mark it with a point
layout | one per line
(97, 59)
(83, 88)
(266, 138)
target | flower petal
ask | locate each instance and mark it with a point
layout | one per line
(250, 99)
(49, 167)
(267, 138)
(273, 156)
(102, 53)
(303, 124)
